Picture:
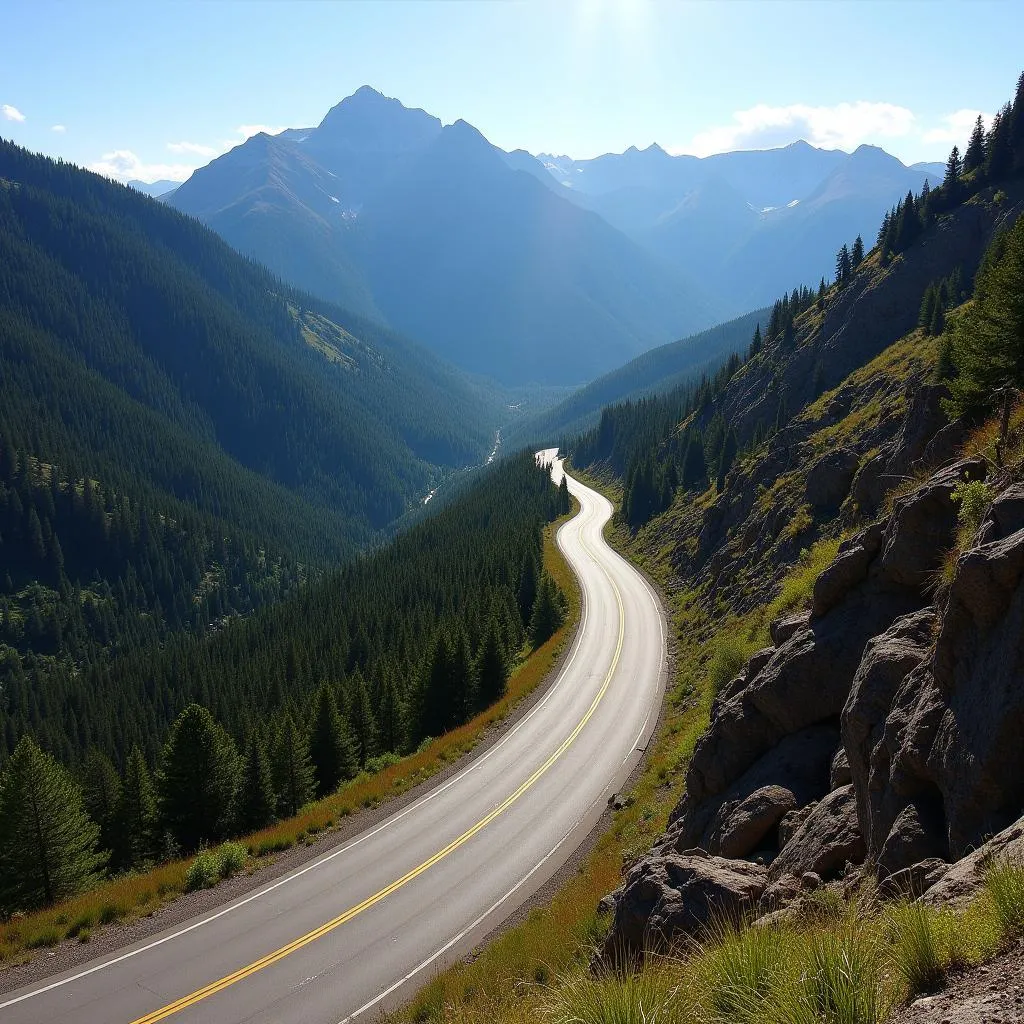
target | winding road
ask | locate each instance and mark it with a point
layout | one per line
(363, 925)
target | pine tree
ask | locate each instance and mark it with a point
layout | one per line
(694, 467)
(988, 343)
(547, 614)
(843, 266)
(564, 502)
(197, 778)
(101, 792)
(951, 182)
(362, 721)
(727, 457)
(392, 720)
(292, 769)
(999, 147)
(924, 318)
(256, 803)
(491, 668)
(857, 254)
(755, 344)
(49, 843)
(527, 586)
(331, 745)
(136, 816)
(975, 155)
(938, 323)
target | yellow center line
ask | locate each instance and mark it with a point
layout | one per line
(304, 940)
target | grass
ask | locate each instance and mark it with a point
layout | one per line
(135, 895)
(916, 947)
(1004, 883)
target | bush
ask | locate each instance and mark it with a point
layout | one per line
(231, 858)
(915, 951)
(382, 761)
(973, 498)
(203, 872)
(729, 653)
(740, 970)
(1005, 885)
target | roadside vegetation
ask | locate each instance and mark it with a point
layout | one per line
(140, 893)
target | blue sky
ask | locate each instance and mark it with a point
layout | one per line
(152, 90)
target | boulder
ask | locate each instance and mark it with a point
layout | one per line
(1007, 512)
(823, 844)
(790, 775)
(962, 880)
(667, 897)
(923, 526)
(740, 827)
(828, 480)
(782, 629)
(872, 482)
(916, 835)
(887, 660)
(839, 774)
(913, 881)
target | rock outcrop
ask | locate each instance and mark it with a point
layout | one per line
(882, 731)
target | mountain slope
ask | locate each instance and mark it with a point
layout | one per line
(382, 208)
(141, 350)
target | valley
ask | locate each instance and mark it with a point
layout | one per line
(445, 579)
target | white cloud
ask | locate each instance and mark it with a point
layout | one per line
(193, 147)
(58, 128)
(843, 126)
(124, 165)
(11, 113)
(956, 128)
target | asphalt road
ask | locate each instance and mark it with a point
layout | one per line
(370, 921)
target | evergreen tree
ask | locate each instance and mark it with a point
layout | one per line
(927, 313)
(136, 816)
(988, 343)
(975, 155)
(527, 585)
(694, 467)
(999, 147)
(564, 501)
(101, 793)
(843, 266)
(857, 254)
(332, 748)
(951, 181)
(547, 613)
(197, 778)
(362, 721)
(256, 803)
(491, 668)
(292, 769)
(938, 324)
(392, 721)
(727, 457)
(755, 344)
(49, 843)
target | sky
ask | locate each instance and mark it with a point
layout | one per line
(152, 90)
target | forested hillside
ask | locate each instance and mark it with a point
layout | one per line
(220, 734)
(659, 370)
(140, 351)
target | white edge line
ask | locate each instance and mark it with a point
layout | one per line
(335, 853)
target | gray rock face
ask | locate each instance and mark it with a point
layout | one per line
(888, 658)
(740, 828)
(827, 839)
(922, 527)
(829, 479)
(967, 875)
(668, 896)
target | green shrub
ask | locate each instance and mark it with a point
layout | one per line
(46, 937)
(729, 653)
(915, 950)
(203, 872)
(1005, 885)
(382, 761)
(740, 969)
(973, 498)
(231, 858)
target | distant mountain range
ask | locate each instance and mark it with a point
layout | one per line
(535, 268)
(154, 188)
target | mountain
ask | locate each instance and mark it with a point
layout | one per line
(742, 225)
(154, 188)
(385, 209)
(665, 368)
(141, 352)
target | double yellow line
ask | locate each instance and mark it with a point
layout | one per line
(304, 940)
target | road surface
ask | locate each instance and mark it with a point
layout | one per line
(362, 926)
